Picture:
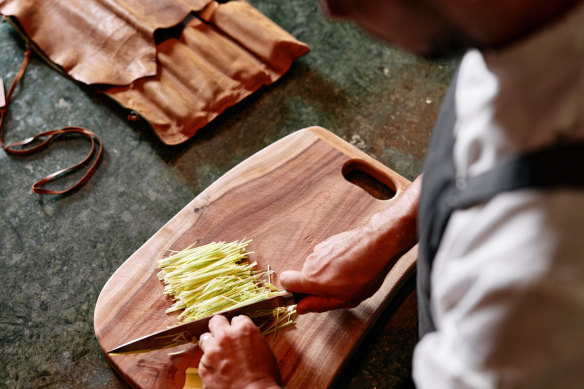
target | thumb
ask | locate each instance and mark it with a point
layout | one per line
(293, 281)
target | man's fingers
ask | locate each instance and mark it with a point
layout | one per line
(209, 342)
(241, 320)
(320, 304)
(294, 281)
(203, 338)
(218, 325)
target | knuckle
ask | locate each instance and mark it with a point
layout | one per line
(224, 341)
(210, 358)
(240, 322)
(246, 326)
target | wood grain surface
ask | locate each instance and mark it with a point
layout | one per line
(287, 198)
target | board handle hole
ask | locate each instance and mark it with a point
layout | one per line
(369, 179)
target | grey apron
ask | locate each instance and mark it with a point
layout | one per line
(558, 167)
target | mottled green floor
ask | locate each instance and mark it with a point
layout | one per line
(57, 252)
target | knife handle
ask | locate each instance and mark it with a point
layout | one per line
(192, 379)
(293, 298)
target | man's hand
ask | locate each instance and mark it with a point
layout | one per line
(349, 267)
(237, 355)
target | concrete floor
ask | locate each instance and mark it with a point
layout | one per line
(57, 252)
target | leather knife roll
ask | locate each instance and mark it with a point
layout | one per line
(223, 53)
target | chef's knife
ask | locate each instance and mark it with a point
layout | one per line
(190, 332)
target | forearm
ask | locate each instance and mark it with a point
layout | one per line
(394, 230)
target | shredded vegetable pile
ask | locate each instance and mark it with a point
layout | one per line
(215, 277)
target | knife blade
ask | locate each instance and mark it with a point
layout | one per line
(190, 332)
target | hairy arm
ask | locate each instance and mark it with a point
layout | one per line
(349, 267)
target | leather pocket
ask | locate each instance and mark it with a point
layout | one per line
(224, 53)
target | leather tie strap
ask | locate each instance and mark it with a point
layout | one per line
(43, 139)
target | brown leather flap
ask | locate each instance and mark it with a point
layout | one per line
(99, 41)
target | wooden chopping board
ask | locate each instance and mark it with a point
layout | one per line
(287, 198)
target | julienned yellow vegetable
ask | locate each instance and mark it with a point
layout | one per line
(208, 279)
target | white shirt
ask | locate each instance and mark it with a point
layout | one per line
(508, 278)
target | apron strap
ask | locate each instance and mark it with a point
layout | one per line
(550, 168)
